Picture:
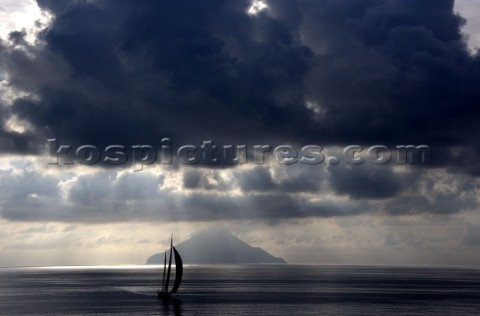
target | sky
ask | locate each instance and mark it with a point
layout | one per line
(288, 74)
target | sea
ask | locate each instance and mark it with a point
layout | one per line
(242, 290)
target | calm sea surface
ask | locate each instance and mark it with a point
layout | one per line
(242, 290)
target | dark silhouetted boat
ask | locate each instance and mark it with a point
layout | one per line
(164, 293)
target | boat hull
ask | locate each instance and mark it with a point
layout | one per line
(164, 295)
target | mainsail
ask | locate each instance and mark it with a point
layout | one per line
(166, 272)
(178, 271)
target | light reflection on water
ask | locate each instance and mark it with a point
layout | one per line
(242, 290)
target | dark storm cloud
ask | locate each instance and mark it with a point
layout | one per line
(185, 69)
(258, 179)
(14, 142)
(382, 71)
(286, 179)
(193, 180)
(370, 182)
(395, 71)
(205, 180)
(301, 72)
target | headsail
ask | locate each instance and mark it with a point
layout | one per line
(164, 269)
(178, 271)
(167, 281)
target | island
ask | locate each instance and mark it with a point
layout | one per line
(218, 246)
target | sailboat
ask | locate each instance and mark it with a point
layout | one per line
(164, 293)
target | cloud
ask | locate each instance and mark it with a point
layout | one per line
(383, 71)
(469, 10)
(330, 73)
(370, 182)
(437, 193)
(472, 236)
(323, 72)
(286, 179)
(128, 67)
(32, 193)
(205, 180)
